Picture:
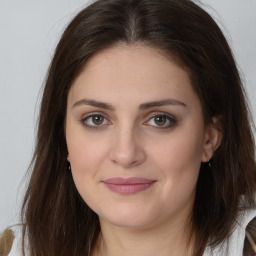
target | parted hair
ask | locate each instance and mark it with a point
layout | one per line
(57, 220)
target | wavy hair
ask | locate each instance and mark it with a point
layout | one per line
(58, 221)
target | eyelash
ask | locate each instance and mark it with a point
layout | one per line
(168, 118)
(84, 121)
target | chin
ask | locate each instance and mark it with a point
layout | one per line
(129, 218)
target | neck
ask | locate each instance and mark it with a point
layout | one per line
(169, 238)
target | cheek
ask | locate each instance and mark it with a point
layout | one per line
(86, 158)
(85, 150)
(179, 155)
(178, 162)
(85, 154)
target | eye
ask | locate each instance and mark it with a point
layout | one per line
(161, 121)
(95, 121)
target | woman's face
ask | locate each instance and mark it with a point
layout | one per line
(136, 137)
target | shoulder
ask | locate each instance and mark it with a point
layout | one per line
(11, 241)
(6, 242)
(234, 245)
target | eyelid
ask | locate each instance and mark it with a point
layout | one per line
(169, 117)
(91, 114)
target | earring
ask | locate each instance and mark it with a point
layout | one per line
(209, 164)
(69, 166)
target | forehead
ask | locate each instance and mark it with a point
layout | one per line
(130, 72)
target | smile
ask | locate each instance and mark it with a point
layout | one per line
(128, 186)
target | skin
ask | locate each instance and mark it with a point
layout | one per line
(130, 142)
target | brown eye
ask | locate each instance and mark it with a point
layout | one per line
(95, 121)
(160, 120)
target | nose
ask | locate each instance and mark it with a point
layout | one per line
(127, 150)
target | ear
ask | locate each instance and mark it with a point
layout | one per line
(68, 157)
(212, 139)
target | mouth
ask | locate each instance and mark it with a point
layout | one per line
(127, 186)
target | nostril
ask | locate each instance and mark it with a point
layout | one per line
(126, 149)
(128, 158)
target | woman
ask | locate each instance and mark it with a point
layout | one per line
(144, 142)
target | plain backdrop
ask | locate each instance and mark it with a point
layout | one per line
(29, 32)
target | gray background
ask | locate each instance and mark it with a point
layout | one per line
(29, 31)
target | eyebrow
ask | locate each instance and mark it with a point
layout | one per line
(142, 106)
(94, 103)
(161, 103)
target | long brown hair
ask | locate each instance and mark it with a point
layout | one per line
(58, 221)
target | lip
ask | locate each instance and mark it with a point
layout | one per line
(128, 186)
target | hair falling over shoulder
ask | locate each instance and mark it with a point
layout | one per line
(58, 221)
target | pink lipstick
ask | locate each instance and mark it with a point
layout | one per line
(128, 186)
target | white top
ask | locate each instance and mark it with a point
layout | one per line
(235, 244)
(17, 244)
(232, 247)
